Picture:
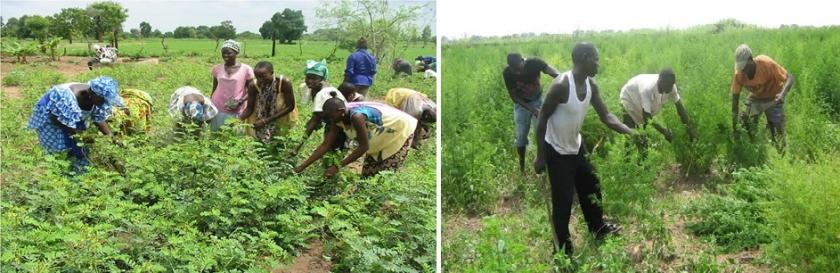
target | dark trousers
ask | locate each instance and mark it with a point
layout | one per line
(570, 173)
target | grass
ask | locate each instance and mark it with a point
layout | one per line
(686, 206)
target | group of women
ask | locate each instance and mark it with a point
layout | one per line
(256, 96)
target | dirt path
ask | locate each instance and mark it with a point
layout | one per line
(310, 261)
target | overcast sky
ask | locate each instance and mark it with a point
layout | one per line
(496, 18)
(167, 15)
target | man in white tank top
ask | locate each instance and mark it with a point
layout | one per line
(561, 148)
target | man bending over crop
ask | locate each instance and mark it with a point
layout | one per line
(644, 95)
(768, 83)
(522, 79)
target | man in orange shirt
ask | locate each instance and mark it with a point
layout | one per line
(768, 83)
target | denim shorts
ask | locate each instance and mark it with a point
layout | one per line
(522, 119)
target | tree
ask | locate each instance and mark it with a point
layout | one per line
(247, 35)
(107, 16)
(184, 32)
(223, 31)
(23, 31)
(168, 34)
(427, 34)
(266, 30)
(291, 25)
(39, 26)
(145, 29)
(157, 33)
(203, 32)
(70, 22)
(385, 28)
(285, 26)
(135, 33)
(10, 28)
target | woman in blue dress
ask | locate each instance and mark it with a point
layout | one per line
(64, 110)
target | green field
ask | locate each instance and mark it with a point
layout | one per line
(725, 203)
(209, 204)
(251, 48)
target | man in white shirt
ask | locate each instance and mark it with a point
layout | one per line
(644, 95)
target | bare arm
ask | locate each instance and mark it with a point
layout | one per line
(604, 114)
(215, 84)
(104, 128)
(552, 99)
(288, 99)
(310, 127)
(684, 118)
(735, 99)
(358, 122)
(788, 84)
(252, 101)
(551, 71)
(322, 149)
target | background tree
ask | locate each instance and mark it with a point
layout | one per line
(157, 33)
(108, 16)
(69, 23)
(225, 30)
(247, 35)
(135, 32)
(39, 27)
(285, 26)
(145, 29)
(23, 31)
(203, 32)
(427, 35)
(266, 30)
(184, 32)
(384, 27)
(10, 27)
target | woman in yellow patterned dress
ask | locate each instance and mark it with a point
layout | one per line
(271, 104)
(136, 116)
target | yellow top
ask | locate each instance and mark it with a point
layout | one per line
(283, 123)
(139, 105)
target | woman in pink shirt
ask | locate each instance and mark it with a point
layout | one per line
(230, 81)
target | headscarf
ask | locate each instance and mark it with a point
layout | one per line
(233, 45)
(316, 68)
(106, 87)
(194, 111)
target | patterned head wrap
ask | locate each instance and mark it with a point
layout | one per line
(194, 111)
(233, 45)
(106, 87)
(316, 68)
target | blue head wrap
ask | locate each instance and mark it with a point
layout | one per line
(106, 87)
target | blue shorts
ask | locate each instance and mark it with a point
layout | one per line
(522, 119)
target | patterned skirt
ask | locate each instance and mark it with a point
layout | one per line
(372, 166)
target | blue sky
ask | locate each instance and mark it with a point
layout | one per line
(167, 15)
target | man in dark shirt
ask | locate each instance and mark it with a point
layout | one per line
(401, 66)
(522, 79)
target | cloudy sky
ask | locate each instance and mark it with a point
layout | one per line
(167, 15)
(501, 17)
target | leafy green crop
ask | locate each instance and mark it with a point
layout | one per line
(165, 202)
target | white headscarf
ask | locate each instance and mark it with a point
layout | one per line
(233, 45)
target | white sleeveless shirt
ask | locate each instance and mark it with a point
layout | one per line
(563, 126)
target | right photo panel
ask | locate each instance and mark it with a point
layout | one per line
(640, 136)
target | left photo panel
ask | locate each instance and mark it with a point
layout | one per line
(240, 136)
